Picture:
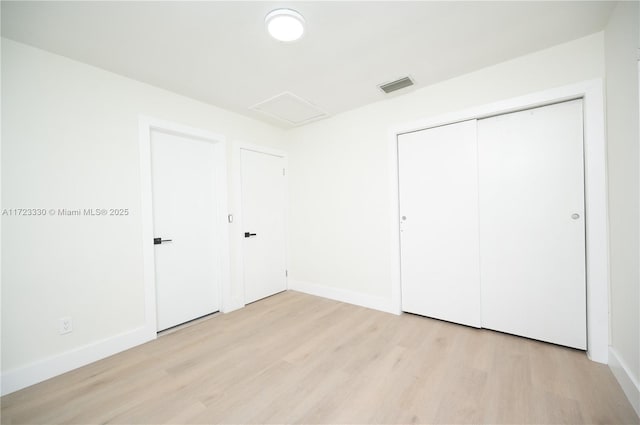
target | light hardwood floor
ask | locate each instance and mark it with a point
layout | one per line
(295, 358)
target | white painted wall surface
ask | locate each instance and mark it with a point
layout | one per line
(70, 140)
(339, 168)
(621, 53)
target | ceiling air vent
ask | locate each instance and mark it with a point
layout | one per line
(396, 85)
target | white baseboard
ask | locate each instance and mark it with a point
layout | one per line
(626, 380)
(232, 307)
(16, 379)
(343, 295)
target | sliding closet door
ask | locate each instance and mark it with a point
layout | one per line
(439, 223)
(532, 227)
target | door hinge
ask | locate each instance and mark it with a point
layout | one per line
(286, 273)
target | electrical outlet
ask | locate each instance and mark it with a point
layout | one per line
(66, 325)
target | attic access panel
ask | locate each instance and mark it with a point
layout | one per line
(289, 108)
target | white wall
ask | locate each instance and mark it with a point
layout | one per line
(70, 140)
(339, 169)
(621, 52)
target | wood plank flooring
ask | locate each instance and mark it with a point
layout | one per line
(295, 358)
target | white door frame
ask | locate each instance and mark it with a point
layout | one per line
(238, 266)
(145, 126)
(597, 227)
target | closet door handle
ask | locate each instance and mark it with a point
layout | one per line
(248, 235)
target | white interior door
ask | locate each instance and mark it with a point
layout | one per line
(439, 223)
(263, 215)
(184, 212)
(532, 227)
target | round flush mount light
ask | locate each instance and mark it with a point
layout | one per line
(285, 24)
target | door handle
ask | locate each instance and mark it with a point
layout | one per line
(248, 235)
(158, 241)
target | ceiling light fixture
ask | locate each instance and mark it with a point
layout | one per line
(285, 24)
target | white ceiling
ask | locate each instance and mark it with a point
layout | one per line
(220, 53)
